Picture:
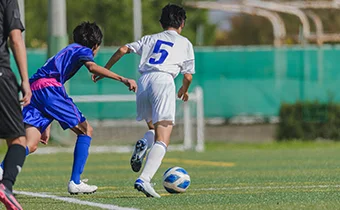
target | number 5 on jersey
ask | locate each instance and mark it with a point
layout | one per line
(163, 52)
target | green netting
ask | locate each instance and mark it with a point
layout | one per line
(237, 80)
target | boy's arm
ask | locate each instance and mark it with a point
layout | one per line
(17, 45)
(183, 91)
(114, 58)
(188, 69)
(103, 72)
(117, 55)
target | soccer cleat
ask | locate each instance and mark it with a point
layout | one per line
(138, 155)
(7, 198)
(146, 188)
(84, 188)
(1, 173)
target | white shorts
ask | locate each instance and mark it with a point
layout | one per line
(156, 97)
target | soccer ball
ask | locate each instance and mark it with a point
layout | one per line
(176, 180)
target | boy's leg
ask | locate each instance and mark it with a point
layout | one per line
(158, 150)
(57, 105)
(159, 102)
(144, 112)
(81, 152)
(12, 129)
(141, 147)
(154, 159)
(13, 162)
(32, 141)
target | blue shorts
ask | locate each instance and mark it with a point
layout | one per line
(50, 102)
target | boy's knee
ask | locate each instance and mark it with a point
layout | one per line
(83, 129)
(32, 148)
(89, 130)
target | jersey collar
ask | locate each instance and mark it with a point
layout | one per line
(172, 31)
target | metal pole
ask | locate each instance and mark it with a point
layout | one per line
(57, 39)
(137, 19)
(137, 27)
(187, 126)
(57, 35)
(279, 29)
(200, 119)
(200, 35)
(21, 4)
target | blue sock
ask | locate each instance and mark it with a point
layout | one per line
(27, 153)
(81, 151)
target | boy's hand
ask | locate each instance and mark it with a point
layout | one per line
(26, 93)
(96, 78)
(131, 84)
(45, 136)
(183, 94)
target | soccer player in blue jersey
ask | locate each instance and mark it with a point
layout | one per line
(51, 102)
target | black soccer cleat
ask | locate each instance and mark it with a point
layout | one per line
(138, 155)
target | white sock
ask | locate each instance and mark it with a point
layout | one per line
(153, 161)
(150, 138)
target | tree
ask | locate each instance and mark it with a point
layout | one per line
(115, 18)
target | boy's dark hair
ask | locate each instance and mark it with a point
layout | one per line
(88, 34)
(172, 16)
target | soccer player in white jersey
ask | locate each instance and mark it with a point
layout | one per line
(163, 56)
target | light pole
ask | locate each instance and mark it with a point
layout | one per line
(57, 35)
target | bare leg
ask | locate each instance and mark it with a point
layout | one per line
(163, 131)
(83, 128)
(33, 136)
(30, 142)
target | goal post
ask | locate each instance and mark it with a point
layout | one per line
(197, 97)
(189, 120)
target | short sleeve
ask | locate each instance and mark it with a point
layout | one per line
(85, 54)
(137, 47)
(12, 16)
(188, 66)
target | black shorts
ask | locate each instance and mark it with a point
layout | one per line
(11, 122)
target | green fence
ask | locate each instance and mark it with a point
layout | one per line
(235, 81)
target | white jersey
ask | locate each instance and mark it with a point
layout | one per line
(165, 52)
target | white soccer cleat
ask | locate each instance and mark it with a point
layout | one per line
(146, 188)
(84, 188)
(138, 155)
(1, 173)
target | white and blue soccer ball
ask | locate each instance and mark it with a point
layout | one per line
(176, 180)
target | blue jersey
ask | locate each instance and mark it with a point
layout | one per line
(64, 64)
(49, 98)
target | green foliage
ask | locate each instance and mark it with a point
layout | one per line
(115, 18)
(309, 121)
(36, 23)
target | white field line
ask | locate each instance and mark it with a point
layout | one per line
(163, 192)
(268, 187)
(73, 200)
(114, 207)
(96, 149)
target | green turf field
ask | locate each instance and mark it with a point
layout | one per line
(266, 176)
